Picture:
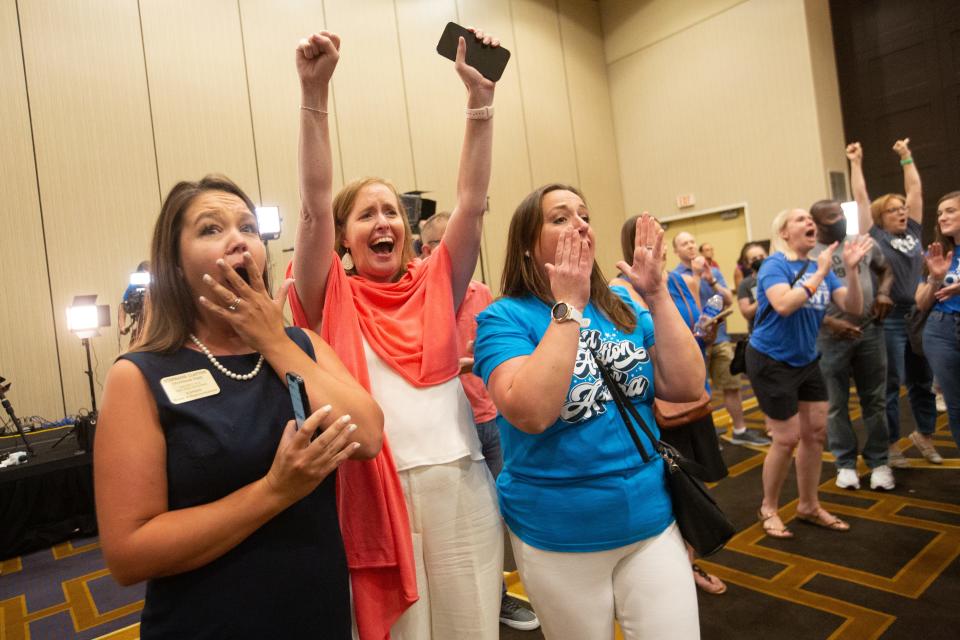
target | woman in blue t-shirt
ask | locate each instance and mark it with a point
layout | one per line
(590, 522)
(782, 360)
(941, 335)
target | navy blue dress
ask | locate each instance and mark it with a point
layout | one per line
(289, 578)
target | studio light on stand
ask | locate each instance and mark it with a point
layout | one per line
(85, 318)
(269, 223)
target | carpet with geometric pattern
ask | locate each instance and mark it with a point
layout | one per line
(895, 575)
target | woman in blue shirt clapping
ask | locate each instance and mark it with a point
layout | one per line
(590, 522)
(941, 335)
(783, 364)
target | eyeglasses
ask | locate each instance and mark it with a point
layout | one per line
(902, 207)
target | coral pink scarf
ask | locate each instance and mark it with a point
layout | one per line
(411, 325)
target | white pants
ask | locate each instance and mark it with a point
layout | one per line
(646, 585)
(458, 548)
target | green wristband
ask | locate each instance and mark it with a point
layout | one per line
(905, 161)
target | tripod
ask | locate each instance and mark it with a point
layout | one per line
(91, 419)
(4, 387)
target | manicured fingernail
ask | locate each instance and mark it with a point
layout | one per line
(207, 278)
(345, 418)
(356, 445)
(246, 254)
(325, 408)
(221, 262)
(352, 428)
(202, 300)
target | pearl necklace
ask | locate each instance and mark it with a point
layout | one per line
(216, 363)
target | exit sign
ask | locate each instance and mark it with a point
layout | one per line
(686, 200)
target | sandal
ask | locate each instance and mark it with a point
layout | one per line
(706, 582)
(774, 532)
(824, 519)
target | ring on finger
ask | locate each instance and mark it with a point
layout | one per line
(236, 303)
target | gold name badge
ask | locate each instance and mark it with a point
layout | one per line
(188, 386)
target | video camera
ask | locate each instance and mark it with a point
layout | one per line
(133, 300)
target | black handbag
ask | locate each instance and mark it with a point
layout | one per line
(701, 521)
(916, 320)
(739, 362)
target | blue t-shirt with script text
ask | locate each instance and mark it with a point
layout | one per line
(581, 485)
(791, 339)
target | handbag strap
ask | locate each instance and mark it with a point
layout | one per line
(671, 457)
(683, 297)
(616, 391)
(806, 265)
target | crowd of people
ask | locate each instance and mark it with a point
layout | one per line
(438, 413)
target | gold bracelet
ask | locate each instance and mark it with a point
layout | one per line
(314, 109)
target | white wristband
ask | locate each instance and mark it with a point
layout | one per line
(480, 113)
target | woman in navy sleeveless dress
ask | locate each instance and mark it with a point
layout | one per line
(205, 487)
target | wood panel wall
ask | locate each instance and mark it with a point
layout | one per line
(111, 103)
(731, 101)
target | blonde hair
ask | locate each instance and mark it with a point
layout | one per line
(343, 204)
(879, 205)
(777, 243)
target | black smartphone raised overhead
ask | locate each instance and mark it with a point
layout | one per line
(489, 61)
(298, 396)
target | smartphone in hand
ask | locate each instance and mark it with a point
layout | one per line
(720, 317)
(489, 61)
(298, 396)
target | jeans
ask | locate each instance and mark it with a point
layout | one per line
(941, 340)
(862, 359)
(489, 434)
(904, 366)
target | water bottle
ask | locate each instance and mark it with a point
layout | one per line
(710, 310)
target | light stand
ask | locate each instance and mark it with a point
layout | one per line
(85, 318)
(4, 387)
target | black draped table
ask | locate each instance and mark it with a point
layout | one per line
(48, 499)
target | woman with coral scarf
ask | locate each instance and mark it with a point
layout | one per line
(420, 522)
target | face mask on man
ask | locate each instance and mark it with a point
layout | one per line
(755, 265)
(835, 232)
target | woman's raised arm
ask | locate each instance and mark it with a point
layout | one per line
(464, 229)
(911, 180)
(678, 366)
(317, 57)
(859, 185)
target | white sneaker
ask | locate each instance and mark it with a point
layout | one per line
(848, 479)
(882, 478)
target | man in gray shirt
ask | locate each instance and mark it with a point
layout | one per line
(854, 345)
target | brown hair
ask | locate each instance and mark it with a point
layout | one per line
(947, 242)
(343, 204)
(628, 238)
(170, 311)
(879, 205)
(521, 277)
